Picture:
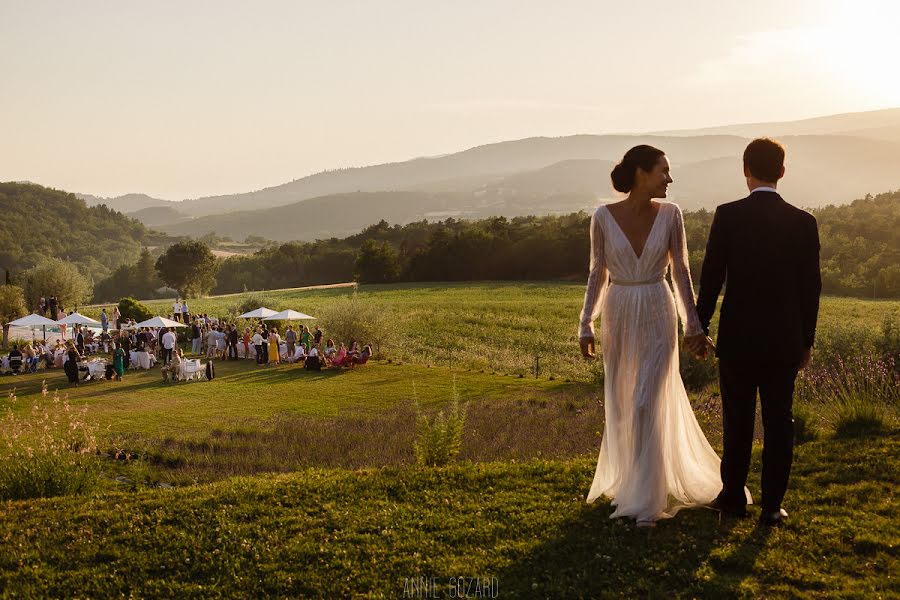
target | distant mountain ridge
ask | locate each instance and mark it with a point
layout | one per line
(832, 159)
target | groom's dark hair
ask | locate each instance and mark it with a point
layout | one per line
(764, 158)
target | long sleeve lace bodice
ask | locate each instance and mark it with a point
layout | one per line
(597, 280)
(613, 259)
(681, 276)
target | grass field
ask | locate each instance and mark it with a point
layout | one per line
(295, 483)
(501, 326)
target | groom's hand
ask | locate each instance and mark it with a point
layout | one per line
(587, 347)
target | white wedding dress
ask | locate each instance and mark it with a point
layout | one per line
(654, 458)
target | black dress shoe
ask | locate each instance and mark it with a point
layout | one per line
(728, 508)
(773, 518)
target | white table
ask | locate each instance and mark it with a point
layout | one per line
(97, 369)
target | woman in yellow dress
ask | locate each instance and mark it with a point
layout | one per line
(274, 341)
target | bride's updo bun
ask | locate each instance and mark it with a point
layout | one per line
(643, 157)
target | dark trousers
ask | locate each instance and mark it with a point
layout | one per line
(232, 351)
(260, 359)
(739, 381)
(167, 355)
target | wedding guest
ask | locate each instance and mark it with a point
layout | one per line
(317, 336)
(341, 357)
(116, 316)
(176, 310)
(363, 356)
(104, 320)
(59, 355)
(169, 341)
(258, 342)
(212, 342)
(290, 338)
(312, 361)
(15, 360)
(299, 355)
(246, 340)
(305, 338)
(233, 342)
(329, 352)
(184, 312)
(71, 364)
(196, 336)
(119, 357)
(62, 327)
(79, 339)
(274, 340)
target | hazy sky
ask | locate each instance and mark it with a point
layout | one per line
(185, 99)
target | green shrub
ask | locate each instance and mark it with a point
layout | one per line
(51, 452)
(130, 308)
(355, 318)
(439, 439)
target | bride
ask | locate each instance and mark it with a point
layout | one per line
(654, 458)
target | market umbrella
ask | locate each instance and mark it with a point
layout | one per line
(78, 319)
(260, 313)
(288, 315)
(34, 320)
(157, 322)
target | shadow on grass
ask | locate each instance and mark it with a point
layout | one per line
(594, 556)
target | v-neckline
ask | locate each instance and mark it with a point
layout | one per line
(627, 241)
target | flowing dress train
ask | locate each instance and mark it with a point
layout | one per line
(654, 458)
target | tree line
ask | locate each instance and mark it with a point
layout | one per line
(860, 254)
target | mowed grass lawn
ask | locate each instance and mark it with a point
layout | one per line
(373, 522)
(523, 527)
(143, 404)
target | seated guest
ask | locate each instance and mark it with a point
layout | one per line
(363, 357)
(341, 357)
(105, 341)
(312, 361)
(174, 371)
(329, 352)
(299, 354)
(15, 360)
(59, 354)
(31, 359)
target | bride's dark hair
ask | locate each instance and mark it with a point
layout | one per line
(643, 157)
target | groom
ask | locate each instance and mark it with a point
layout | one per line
(767, 253)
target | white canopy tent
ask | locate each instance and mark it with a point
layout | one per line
(288, 315)
(78, 319)
(260, 313)
(34, 320)
(157, 322)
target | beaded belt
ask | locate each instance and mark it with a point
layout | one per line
(647, 282)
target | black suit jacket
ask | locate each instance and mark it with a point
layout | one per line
(766, 252)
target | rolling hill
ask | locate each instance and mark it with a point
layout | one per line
(831, 160)
(42, 222)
